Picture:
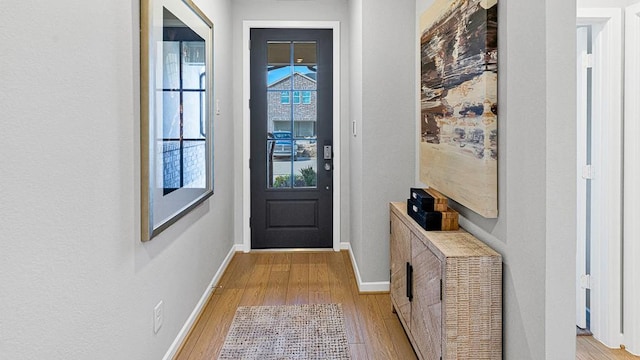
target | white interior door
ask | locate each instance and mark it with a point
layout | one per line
(605, 185)
(581, 186)
(631, 179)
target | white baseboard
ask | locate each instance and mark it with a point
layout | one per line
(364, 287)
(203, 301)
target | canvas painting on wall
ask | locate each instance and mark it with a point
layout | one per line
(458, 102)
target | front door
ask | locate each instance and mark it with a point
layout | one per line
(291, 138)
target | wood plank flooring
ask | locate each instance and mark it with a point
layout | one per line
(284, 278)
(279, 278)
(589, 348)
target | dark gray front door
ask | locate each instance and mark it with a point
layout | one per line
(291, 138)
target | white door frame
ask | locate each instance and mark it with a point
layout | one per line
(581, 181)
(631, 179)
(247, 25)
(606, 215)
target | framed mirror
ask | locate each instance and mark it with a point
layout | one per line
(176, 134)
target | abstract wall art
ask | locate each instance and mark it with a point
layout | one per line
(459, 102)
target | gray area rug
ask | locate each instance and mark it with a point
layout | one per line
(287, 332)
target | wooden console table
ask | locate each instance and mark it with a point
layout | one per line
(446, 287)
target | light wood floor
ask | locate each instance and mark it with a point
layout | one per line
(589, 348)
(278, 278)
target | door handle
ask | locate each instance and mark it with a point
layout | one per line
(409, 281)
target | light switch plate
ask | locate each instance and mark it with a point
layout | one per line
(158, 316)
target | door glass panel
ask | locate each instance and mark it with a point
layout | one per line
(305, 90)
(291, 115)
(278, 164)
(279, 53)
(279, 67)
(305, 64)
(279, 113)
(306, 164)
(304, 129)
(280, 157)
(304, 115)
(279, 120)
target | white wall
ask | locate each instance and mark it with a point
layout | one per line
(560, 175)
(77, 283)
(355, 136)
(327, 10)
(383, 108)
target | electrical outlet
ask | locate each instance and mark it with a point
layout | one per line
(158, 316)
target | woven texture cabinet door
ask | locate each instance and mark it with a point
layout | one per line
(400, 256)
(426, 309)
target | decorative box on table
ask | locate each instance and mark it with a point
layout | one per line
(430, 209)
(429, 220)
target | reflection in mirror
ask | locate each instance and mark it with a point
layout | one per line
(184, 106)
(176, 122)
